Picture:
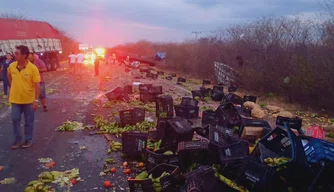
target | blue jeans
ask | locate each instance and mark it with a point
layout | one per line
(42, 94)
(5, 85)
(29, 116)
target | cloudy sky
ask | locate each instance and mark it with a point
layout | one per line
(111, 22)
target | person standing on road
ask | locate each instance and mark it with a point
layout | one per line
(114, 58)
(72, 59)
(3, 69)
(24, 79)
(80, 59)
(33, 58)
(97, 65)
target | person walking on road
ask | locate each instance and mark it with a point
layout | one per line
(24, 79)
(72, 59)
(114, 58)
(33, 58)
(80, 59)
(3, 69)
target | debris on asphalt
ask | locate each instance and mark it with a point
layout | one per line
(51, 91)
(45, 160)
(82, 147)
(70, 126)
(7, 181)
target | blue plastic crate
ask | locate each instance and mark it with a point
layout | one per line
(317, 149)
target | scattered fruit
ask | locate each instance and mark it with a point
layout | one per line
(141, 164)
(127, 171)
(107, 184)
(113, 170)
(74, 181)
(125, 164)
(51, 164)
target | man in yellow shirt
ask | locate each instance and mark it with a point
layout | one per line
(24, 79)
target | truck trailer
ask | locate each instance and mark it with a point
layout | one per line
(40, 37)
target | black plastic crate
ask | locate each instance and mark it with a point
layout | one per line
(156, 90)
(218, 137)
(197, 93)
(161, 127)
(164, 105)
(206, 92)
(169, 77)
(209, 118)
(234, 152)
(319, 150)
(181, 79)
(131, 116)
(217, 96)
(202, 179)
(128, 89)
(168, 183)
(188, 101)
(187, 112)
(292, 123)
(116, 94)
(147, 97)
(145, 87)
(249, 98)
(232, 89)
(190, 152)
(281, 142)
(259, 177)
(173, 74)
(151, 75)
(161, 73)
(177, 130)
(134, 143)
(155, 158)
(206, 82)
(233, 98)
(243, 111)
(254, 123)
(228, 115)
(218, 88)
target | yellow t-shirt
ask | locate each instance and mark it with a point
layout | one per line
(22, 89)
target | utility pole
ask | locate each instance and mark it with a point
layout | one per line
(196, 33)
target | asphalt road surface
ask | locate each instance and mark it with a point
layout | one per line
(71, 100)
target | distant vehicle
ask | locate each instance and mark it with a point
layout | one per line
(84, 47)
(39, 37)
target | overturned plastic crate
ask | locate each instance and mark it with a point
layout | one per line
(243, 111)
(131, 116)
(161, 127)
(218, 137)
(206, 82)
(181, 79)
(203, 179)
(253, 129)
(173, 74)
(209, 118)
(116, 94)
(228, 115)
(128, 89)
(233, 98)
(292, 123)
(151, 75)
(218, 88)
(217, 96)
(319, 150)
(134, 143)
(177, 130)
(164, 106)
(187, 112)
(147, 97)
(259, 177)
(190, 152)
(232, 89)
(234, 152)
(156, 90)
(145, 87)
(167, 183)
(284, 151)
(250, 98)
(188, 101)
(197, 94)
(206, 92)
(162, 155)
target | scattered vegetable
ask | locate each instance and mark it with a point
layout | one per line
(70, 126)
(113, 170)
(127, 171)
(107, 184)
